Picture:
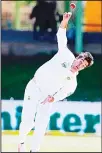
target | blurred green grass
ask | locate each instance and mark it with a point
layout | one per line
(17, 71)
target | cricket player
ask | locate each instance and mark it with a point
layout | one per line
(52, 82)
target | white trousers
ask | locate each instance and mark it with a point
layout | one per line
(33, 109)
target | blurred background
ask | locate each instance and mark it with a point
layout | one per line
(28, 39)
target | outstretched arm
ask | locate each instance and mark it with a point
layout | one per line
(61, 34)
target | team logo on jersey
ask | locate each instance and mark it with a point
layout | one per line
(64, 65)
(68, 78)
(28, 97)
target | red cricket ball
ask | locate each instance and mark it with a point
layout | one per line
(72, 6)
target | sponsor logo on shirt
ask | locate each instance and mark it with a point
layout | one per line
(68, 78)
(64, 65)
(28, 97)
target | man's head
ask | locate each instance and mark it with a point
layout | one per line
(82, 61)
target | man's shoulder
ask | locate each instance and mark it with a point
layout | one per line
(66, 51)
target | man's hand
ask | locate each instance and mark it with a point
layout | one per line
(49, 99)
(66, 17)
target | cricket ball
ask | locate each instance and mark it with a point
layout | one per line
(72, 6)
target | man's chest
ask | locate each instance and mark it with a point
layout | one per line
(62, 71)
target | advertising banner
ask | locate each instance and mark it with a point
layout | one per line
(66, 116)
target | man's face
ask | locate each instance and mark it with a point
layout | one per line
(79, 64)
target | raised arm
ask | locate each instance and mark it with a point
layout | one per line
(61, 34)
